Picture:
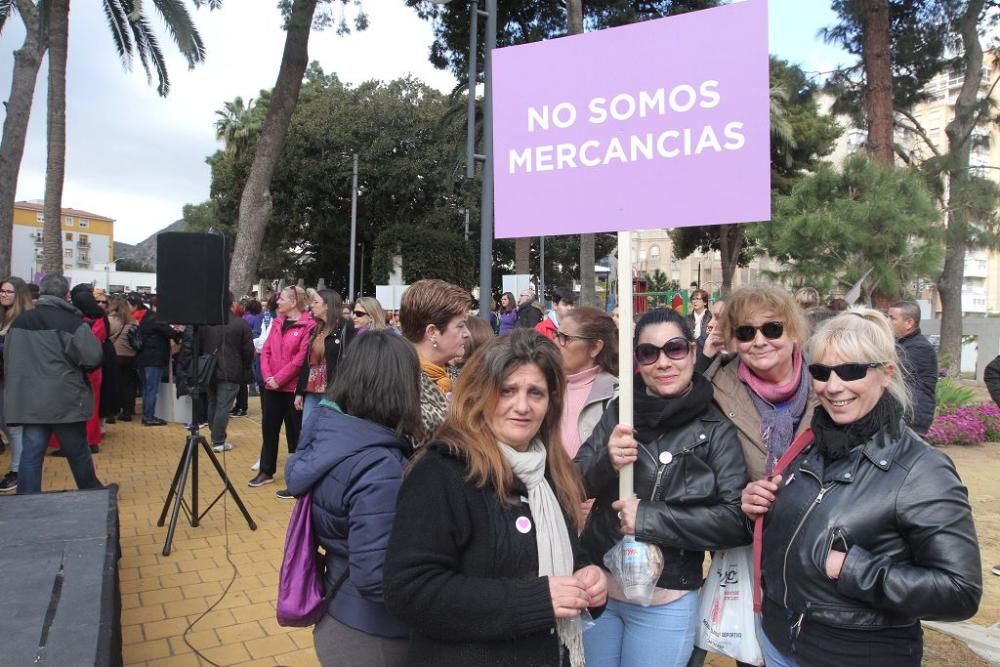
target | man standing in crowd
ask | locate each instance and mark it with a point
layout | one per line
(47, 354)
(992, 378)
(153, 357)
(232, 344)
(919, 361)
(529, 312)
(563, 301)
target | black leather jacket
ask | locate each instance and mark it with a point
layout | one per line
(901, 513)
(687, 506)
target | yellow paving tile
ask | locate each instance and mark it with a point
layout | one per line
(268, 646)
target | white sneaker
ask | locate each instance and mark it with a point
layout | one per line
(255, 466)
(224, 447)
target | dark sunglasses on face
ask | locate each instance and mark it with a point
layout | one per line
(675, 348)
(846, 372)
(360, 313)
(747, 332)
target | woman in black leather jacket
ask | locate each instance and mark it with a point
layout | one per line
(869, 530)
(688, 473)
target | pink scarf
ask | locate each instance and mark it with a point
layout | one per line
(775, 393)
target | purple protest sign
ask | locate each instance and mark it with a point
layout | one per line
(657, 124)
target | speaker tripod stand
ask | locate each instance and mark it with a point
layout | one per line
(188, 465)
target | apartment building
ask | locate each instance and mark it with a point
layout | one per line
(87, 239)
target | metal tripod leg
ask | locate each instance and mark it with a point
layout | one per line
(190, 451)
(229, 485)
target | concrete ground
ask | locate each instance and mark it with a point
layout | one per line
(163, 595)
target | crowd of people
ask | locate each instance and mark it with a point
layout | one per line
(463, 471)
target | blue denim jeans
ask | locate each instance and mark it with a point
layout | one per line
(629, 635)
(151, 378)
(309, 404)
(72, 441)
(772, 656)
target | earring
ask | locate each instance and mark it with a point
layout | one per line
(434, 342)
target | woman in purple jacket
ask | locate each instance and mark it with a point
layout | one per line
(507, 313)
(351, 456)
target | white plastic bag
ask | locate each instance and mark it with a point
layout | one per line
(637, 567)
(726, 622)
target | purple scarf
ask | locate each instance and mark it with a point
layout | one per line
(781, 407)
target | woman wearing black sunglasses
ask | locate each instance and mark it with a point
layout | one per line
(764, 389)
(688, 474)
(869, 530)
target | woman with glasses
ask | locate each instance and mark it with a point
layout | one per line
(588, 343)
(15, 298)
(688, 473)
(763, 387)
(700, 315)
(368, 315)
(869, 530)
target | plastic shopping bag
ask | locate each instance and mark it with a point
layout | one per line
(726, 622)
(637, 567)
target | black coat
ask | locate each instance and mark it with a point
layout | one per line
(234, 344)
(462, 577)
(992, 378)
(687, 506)
(341, 336)
(156, 337)
(901, 513)
(529, 315)
(920, 368)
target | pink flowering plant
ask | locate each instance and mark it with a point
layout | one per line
(971, 425)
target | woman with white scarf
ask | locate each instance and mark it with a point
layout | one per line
(483, 562)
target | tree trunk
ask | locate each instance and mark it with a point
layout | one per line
(256, 204)
(878, 74)
(588, 287)
(522, 256)
(957, 238)
(730, 243)
(55, 162)
(27, 61)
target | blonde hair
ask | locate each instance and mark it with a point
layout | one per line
(300, 297)
(862, 335)
(375, 312)
(748, 302)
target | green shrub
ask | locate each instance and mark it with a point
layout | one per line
(951, 396)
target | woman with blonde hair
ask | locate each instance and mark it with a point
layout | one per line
(764, 386)
(433, 316)
(15, 298)
(483, 562)
(120, 321)
(868, 531)
(368, 315)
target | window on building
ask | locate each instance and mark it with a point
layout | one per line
(84, 223)
(69, 236)
(68, 252)
(69, 221)
(40, 217)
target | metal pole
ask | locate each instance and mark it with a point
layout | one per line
(466, 224)
(361, 286)
(541, 269)
(470, 131)
(354, 228)
(486, 232)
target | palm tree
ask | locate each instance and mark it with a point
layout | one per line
(237, 126)
(132, 34)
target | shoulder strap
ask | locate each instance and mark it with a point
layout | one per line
(798, 445)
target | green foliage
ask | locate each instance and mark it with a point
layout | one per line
(835, 225)
(129, 264)
(800, 137)
(423, 255)
(949, 396)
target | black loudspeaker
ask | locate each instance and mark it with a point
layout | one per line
(191, 278)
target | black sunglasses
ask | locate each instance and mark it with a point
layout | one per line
(360, 313)
(747, 332)
(675, 348)
(846, 372)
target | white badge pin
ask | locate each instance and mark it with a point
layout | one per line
(523, 525)
(666, 458)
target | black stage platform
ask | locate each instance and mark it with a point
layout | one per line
(59, 572)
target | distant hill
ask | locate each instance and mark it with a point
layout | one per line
(145, 251)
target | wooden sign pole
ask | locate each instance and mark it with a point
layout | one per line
(626, 487)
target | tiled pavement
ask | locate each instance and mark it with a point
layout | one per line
(161, 595)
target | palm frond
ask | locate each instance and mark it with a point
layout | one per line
(148, 49)
(118, 24)
(5, 8)
(182, 30)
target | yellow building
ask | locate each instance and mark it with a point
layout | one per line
(87, 239)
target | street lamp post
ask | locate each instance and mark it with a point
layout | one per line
(354, 228)
(486, 157)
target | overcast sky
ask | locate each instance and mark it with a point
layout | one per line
(138, 158)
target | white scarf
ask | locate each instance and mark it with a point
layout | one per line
(555, 553)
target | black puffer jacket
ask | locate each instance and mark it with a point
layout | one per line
(920, 370)
(992, 378)
(688, 505)
(903, 516)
